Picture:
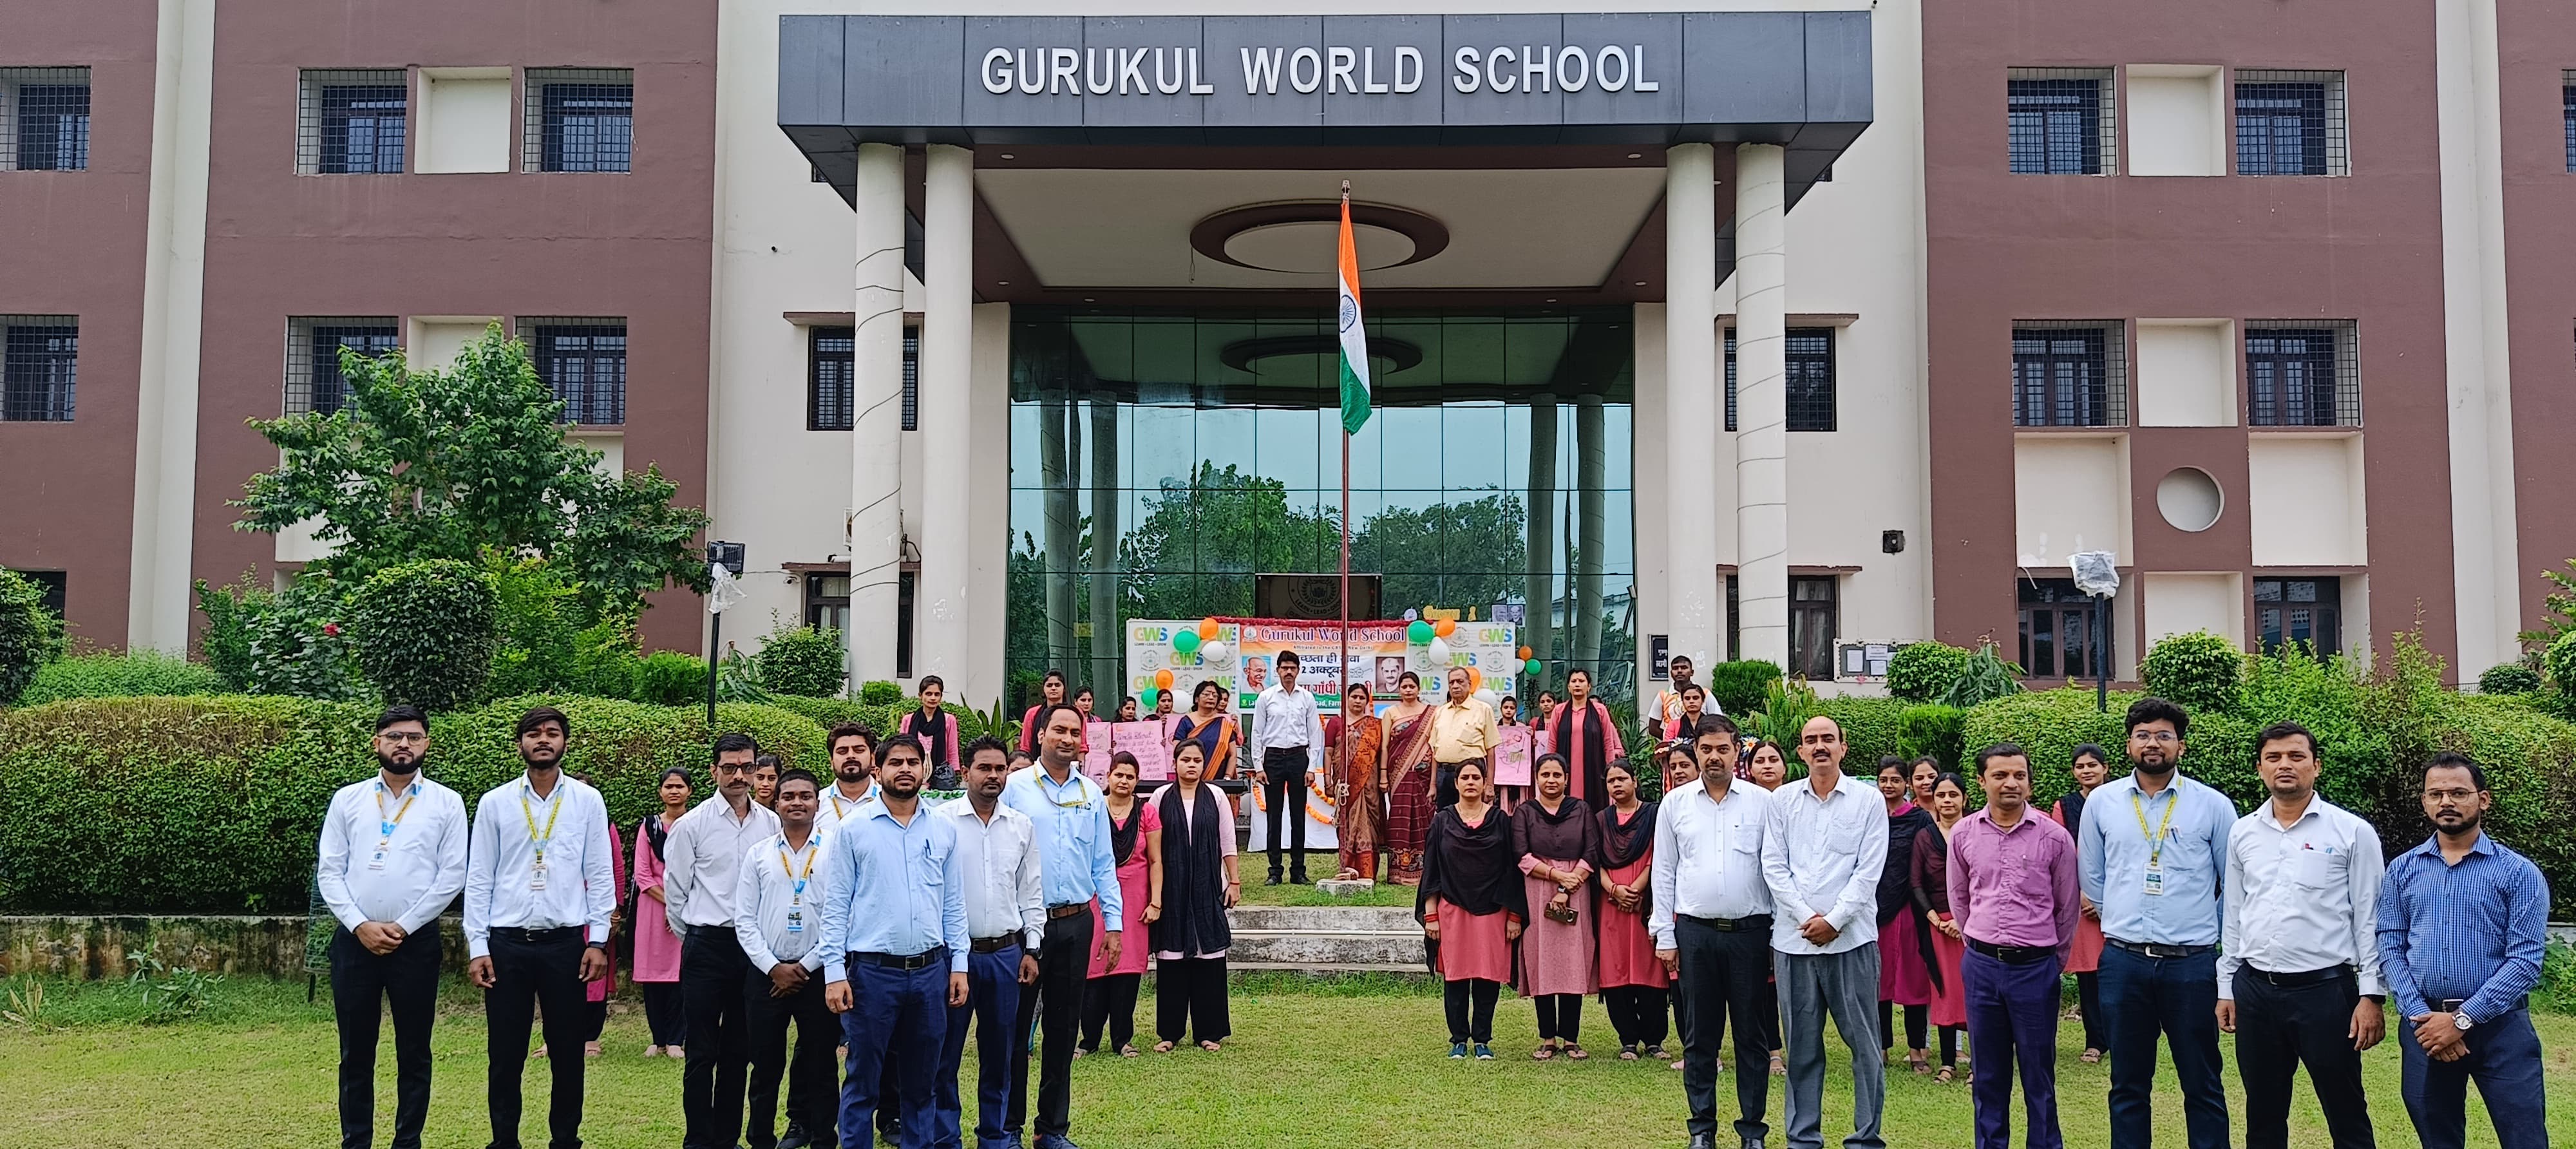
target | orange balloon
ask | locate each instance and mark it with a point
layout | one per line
(1525, 654)
(1207, 628)
(1444, 627)
(1163, 679)
(1475, 679)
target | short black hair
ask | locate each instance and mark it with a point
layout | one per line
(538, 716)
(1680, 660)
(398, 714)
(987, 742)
(734, 742)
(1205, 685)
(799, 775)
(2454, 760)
(1621, 765)
(926, 682)
(1287, 658)
(1695, 688)
(1569, 675)
(2153, 709)
(1998, 750)
(1416, 679)
(886, 748)
(1718, 724)
(865, 736)
(2280, 730)
(1483, 770)
(1887, 762)
(2092, 748)
(1953, 779)
(1047, 712)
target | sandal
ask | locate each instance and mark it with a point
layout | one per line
(1627, 1053)
(1921, 1063)
(1945, 1076)
(2091, 1057)
(1162, 1047)
(1210, 1046)
(1575, 1052)
(1127, 1051)
(1543, 1053)
(1656, 1053)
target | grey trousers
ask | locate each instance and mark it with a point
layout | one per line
(1845, 986)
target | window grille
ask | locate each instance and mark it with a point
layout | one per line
(2063, 121)
(2567, 96)
(2070, 373)
(352, 122)
(2308, 610)
(314, 383)
(2302, 374)
(1814, 619)
(830, 385)
(44, 119)
(39, 365)
(1809, 352)
(580, 120)
(2290, 124)
(584, 361)
(2058, 629)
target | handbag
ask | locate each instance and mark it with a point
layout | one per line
(1564, 914)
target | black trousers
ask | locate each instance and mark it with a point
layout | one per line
(2088, 999)
(1733, 967)
(363, 985)
(1636, 1014)
(1109, 1002)
(1455, 998)
(1064, 959)
(1283, 788)
(719, 1051)
(2278, 1029)
(1560, 1016)
(662, 1013)
(1190, 992)
(813, 1085)
(1444, 786)
(1916, 1017)
(532, 971)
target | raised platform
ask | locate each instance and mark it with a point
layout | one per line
(1336, 939)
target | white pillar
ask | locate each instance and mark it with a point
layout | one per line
(876, 374)
(939, 594)
(1693, 373)
(1761, 401)
(162, 565)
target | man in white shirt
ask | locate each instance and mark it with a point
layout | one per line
(854, 774)
(1824, 844)
(778, 919)
(997, 847)
(1711, 923)
(702, 870)
(392, 859)
(2298, 965)
(539, 886)
(1288, 741)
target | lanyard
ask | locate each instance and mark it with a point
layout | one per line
(840, 811)
(811, 853)
(385, 829)
(2156, 837)
(536, 843)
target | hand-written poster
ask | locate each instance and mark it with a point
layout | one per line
(1150, 742)
(1096, 749)
(1512, 757)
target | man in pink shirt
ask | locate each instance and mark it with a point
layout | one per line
(2013, 892)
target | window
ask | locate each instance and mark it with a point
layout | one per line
(2063, 121)
(2301, 375)
(904, 582)
(1810, 355)
(2057, 630)
(2070, 374)
(1813, 621)
(580, 120)
(584, 360)
(830, 384)
(352, 122)
(2290, 124)
(44, 119)
(827, 601)
(2308, 610)
(313, 380)
(55, 585)
(39, 362)
(2567, 96)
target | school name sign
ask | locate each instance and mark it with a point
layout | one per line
(1531, 70)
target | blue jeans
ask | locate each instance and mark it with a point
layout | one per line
(993, 1004)
(894, 1015)
(2504, 1057)
(2177, 998)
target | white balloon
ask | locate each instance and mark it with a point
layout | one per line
(1213, 652)
(1489, 698)
(1440, 654)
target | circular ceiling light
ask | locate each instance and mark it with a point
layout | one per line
(1242, 354)
(1301, 236)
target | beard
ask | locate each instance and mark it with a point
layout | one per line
(2161, 767)
(391, 766)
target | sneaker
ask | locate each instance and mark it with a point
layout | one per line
(1457, 1050)
(1484, 1052)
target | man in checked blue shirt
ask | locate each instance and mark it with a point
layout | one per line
(2151, 854)
(1074, 867)
(894, 945)
(2461, 923)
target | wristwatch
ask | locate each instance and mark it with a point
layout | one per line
(2462, 1021)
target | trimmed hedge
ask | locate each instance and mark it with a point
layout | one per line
(134, 673)
(880, 719)
(1869, 729)
(213, 805)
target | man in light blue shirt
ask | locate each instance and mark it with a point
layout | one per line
(2151, 855)
(894, 945)
(1074, 867)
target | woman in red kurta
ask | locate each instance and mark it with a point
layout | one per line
(1472, 908)
(657, 949)
(1633, 982)
(2092, 769)
(1135, 833)
(1581, 730)
(1050, 693)
(1932, 901)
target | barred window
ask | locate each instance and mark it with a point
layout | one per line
(1810, 355)
(584, 361)
(39, 364)
(314, 383)
(352, 122)
(2064, 121)
(2070, 373)
(831, 384)
(580, 120)
(2567, 96)
(2302, 374)
(44, 119)
(2290, 124)
(2308, 610)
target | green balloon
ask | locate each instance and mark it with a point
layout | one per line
(1532, 668)
(1185, 641)
(1420, 632)
(1150, 698)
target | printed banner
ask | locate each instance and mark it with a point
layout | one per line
(1380, 652)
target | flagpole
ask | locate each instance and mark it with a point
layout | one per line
(1342, 768)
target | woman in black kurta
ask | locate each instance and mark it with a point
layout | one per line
(1472, 906)
(1199, 885)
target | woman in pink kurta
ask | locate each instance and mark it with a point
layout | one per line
(1633, 981)
(1932, 898)
(1558, 845)
(1109, 997)
(1472, 907)
(657, 950)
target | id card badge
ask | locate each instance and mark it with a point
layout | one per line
(2155, 887)
(537, 876)
(377, 861)
(795, 921)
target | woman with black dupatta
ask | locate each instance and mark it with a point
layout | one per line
(1472, 908)
(1559, 846)
(1200, 883)
(1633, 981)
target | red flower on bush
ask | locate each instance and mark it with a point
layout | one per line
(332, 629)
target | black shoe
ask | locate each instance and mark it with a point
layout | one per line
(1703, 1141)
(795, 1137)
(1274, 878)
(1298, 879)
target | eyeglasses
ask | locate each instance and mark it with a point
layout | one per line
(401, 737)
(2450, 795)
(2156, 737)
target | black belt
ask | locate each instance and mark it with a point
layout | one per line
(2295, 980)
(1066, 910)
(2157, 949)
(546, 936)
(726, 932)
(2012, 955)
(993, 945)
(935, 955)
(1756, 923)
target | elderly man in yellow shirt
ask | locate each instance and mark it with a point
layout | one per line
(1462, 728)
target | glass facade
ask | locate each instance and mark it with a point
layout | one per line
(1494, 473)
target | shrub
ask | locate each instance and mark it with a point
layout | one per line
(2200, 670)
(2561, 662)
(803, 660)
(226, 640)
(2049, 724)
(1922, 671)
(2324, 695)
(132, 674)
(287, 643)
(2530, 761)
(880, 693)
(1984, 676)
(30, 635)
(1870, 728)
(425, 632)
(670, 678)
(2509, 678)
(1785, 709)
(1738, 688)
(1933, 729)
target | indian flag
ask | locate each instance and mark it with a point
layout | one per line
(1355, 378)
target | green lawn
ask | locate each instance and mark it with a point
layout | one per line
(1357, 1063)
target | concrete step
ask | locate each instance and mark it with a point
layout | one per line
(1340, 938)
(1326, 919)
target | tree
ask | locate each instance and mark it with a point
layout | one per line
(1476, 542)
(1225, 526)
(441, 464)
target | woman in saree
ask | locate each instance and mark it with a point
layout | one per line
(1355, 745)
(1210, 727)
(1408, 781)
